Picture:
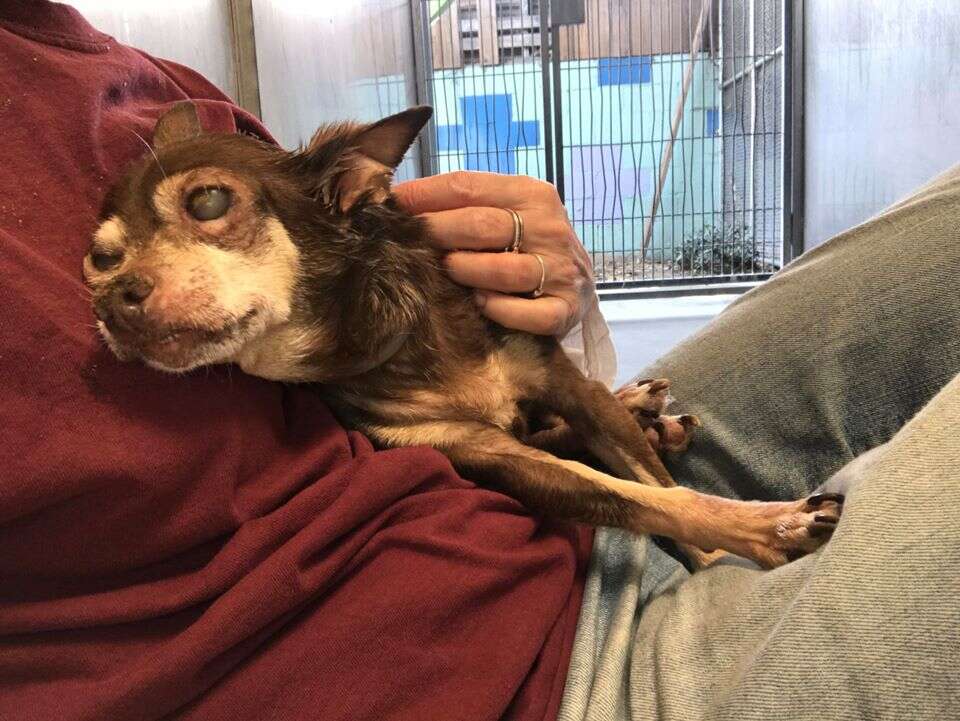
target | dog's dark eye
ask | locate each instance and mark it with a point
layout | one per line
(208, 203)
(106, 260)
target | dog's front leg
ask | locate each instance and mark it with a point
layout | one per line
(767, 533)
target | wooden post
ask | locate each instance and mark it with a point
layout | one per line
(667, 155)
(445, 39)
(487, 32)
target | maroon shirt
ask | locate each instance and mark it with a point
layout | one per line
(215, 546)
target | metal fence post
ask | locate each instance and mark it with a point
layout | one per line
(423, 69)
(793, 157)
(548, 126)
(245, 55)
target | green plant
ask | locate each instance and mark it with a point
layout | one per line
(729, 250)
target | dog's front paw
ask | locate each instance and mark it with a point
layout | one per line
(799, 528)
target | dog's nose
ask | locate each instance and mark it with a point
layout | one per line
(131, 291)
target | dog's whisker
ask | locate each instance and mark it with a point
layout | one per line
(152, 151)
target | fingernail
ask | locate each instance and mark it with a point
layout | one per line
(480, 299)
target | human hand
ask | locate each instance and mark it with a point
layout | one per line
(466, 213)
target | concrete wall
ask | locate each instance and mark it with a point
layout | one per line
(645, 330)
(194, 33)
(882, 95)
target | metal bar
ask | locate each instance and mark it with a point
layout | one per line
(752, 147)
(557, 109)
(756, 65)
(545, 52)
(423, 69)
(793, 137)
(671, 287)
(675, 125)
(245, 55)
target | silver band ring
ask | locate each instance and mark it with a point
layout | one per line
(514, 247)
(543, 276)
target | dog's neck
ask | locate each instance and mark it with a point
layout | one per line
(363, 297)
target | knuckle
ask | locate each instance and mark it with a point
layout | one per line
(463, 186)
(476, 225)
(558, 231)
(531, 276)
(556, 319)
(524, 277)
(547, 191)
(508, 274)
(580, 284)
(567, 272)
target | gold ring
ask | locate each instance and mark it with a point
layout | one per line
(514, 247)
(543, 276)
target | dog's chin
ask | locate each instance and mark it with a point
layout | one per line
(181, 349)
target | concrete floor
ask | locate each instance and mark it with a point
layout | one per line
(645, 329)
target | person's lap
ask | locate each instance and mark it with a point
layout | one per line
(824, 362)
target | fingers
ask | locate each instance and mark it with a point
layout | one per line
(504, 272)
(471, 228)
(464, 189)
(548, 315)
(465, 212)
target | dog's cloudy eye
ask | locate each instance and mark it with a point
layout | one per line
(208, 203)
(105, 261)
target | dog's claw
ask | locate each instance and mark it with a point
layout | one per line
(656, 385)
(648, 395)
(818, 499)
(821, 529)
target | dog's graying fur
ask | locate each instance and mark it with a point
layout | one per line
(312, 273)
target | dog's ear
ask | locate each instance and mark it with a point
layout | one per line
(179, 123)
(387, 140)
(370, 154)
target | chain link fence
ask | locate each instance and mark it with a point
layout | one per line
(661, 121)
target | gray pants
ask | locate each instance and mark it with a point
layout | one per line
(831, 358)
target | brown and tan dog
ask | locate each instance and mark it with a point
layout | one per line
(300, 267)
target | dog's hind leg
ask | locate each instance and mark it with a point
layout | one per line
(646, 401)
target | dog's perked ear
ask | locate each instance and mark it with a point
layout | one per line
(387, 140)
(179, 123)
(370, 154)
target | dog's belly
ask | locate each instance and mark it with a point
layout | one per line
(490, 392)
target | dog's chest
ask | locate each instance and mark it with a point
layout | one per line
(494, 391)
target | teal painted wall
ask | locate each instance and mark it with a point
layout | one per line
(614, 136)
